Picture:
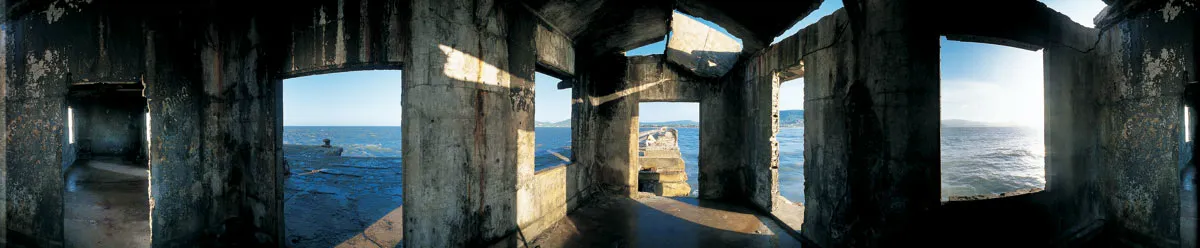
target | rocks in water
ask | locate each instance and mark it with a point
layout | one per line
(305, 150)
(662, 167)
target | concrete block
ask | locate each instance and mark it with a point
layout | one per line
(555, 52)
(701, 49)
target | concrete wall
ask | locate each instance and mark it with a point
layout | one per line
(1072, 138)
(37, 75)
(468, 97)
(1140, 116)
(214, 151)
(871, 125)
(340, 35)
(658, 81)
(722, 131)
(110, 126)
(604, 122)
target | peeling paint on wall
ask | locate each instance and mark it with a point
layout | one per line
(40, 67)
(1172, 9)
(1158, 66)
(53, 13)
(339, 53)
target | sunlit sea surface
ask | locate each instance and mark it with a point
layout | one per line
(975, 160)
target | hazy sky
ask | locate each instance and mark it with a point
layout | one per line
(980, 82)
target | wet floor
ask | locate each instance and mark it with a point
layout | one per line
(106, 204)
(342, 201)
(654, 221)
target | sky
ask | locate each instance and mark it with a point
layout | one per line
(980, 82)
(359, 98)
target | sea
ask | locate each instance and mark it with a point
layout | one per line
(975, 160)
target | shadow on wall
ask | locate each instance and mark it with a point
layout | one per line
(475, 103)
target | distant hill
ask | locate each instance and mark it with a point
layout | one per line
(683, 123)
(791, 118)
(563, 123)
(968, 123)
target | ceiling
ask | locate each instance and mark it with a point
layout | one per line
(601, 26)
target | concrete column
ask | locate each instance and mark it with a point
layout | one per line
(35, 107)
(242, 122)
(182, 202)
(1072, 136)
(463, 114)
(872, 130)
(721, 135)
(605, 122)
(1151, 56)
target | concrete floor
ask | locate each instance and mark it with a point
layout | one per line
(654, 221)
(342, 201)
(106, 204)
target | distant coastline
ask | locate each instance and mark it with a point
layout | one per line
(787, 119)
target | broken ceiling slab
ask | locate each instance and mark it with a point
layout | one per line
(701, 49)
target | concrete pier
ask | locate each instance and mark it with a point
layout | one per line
(205, 78)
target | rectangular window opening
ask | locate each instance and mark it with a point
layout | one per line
(669, 148)
(552, 128)
(342, 149)
(992, 138)
(791, 140)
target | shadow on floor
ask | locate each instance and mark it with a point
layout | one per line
(654, 221)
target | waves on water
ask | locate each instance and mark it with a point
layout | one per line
(975, 160)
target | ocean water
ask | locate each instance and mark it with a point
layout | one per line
(975, 161)
(983, 160)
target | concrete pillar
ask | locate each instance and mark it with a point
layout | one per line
(1150, 57)
(872, 129)
(721, 135)
(35, 106)
(465, 106)
(1072, 136)
(605, 122)
(184, 209)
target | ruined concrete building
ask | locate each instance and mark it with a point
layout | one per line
(210, 74)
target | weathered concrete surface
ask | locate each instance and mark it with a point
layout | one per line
(872, 125)
(722, 130)
(761, 88)
(990, 21)
(331, 36)
(174, 94)
(469, 100)
(755, 22)
(604, 122)
(1072, 179)
(1151, 56)
(655, 221)
(543, 197)
(109, 123)
(37, 72)
(656, 81)
(106, 204)
(699, 48)
(215, 147)
(555, 51)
